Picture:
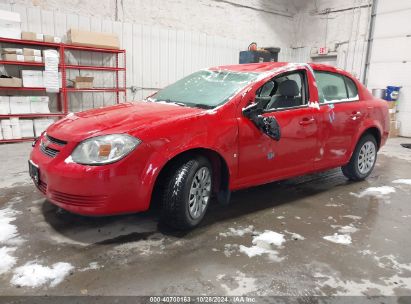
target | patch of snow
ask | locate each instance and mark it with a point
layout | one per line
(255, 250)
(91, 266)
(69, 160)
(295, 236)
(8, 232)
(238, 232)
(7, 261)
(333, 205)
(262, 244)
(379, 192)
(35, 275)
(280, 217)
(343, 239)
(270, 238)
(347, 229)
(353, 217)
(402, 181)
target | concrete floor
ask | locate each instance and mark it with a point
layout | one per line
(46, 251)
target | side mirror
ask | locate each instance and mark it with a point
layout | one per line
(267, 125)
(252, 110)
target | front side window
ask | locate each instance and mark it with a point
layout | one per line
(284, 91)
(205, 89)
(334, 87)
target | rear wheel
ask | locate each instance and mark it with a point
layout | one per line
(363, 160)
(187, 194)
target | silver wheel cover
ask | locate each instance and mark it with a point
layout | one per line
(366, 157)
(200, 191)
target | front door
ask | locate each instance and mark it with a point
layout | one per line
(262, 159)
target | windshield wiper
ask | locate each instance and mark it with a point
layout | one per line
(201, 106)
(171, 101)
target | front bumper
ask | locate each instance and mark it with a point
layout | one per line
(110, 189)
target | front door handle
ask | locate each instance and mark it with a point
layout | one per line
(355, 115)
(307, 121)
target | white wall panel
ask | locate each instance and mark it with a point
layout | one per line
(393, 24)
(391, 50)
(392, 5)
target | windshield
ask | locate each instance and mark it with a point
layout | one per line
(205, 89)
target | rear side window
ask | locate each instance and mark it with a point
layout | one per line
(352, 89)
(335, 88)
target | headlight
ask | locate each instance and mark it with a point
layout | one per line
(104, 149)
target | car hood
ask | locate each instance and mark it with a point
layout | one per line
(132, 118)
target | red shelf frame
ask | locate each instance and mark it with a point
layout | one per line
(63, 96)
(32, 115)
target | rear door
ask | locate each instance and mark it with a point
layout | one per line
(341, 115)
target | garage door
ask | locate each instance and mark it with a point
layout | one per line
(390, 62)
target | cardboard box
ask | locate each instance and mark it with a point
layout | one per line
(93, 39)
(83, 82)
(32, 36)
(52, 39)
(40, 125)
(12, 33)
(33, 59)
(6, 129)
(10, 82)
(394, 128)
(32, 78)
(13, 57)
(19, 105)
(15, 128)
(4, 105)
(10, 25)
(31, 52)
(26, 128)
(39, 104)
(391, 104)
(12, 51)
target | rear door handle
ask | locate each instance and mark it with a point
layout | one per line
(355, 115)
(307, 121)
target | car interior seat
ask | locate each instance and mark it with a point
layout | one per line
(288, 95)
(330, 92)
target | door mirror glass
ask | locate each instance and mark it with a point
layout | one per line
(267, 125)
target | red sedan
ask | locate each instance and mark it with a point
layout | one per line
(210, 133)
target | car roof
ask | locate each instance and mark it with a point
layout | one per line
(278, 66)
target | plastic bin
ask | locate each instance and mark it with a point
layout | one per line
(392, 93)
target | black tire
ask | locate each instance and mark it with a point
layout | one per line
(351, 170)
(175, 198)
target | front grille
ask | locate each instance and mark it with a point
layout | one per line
(46, 141)
(78, 200)
(48, 151)
(56, 141)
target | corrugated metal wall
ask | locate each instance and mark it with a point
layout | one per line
(156, 56)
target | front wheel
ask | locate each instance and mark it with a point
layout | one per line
(187, 194)
(363, 160)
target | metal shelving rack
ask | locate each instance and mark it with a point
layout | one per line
(63, 94)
